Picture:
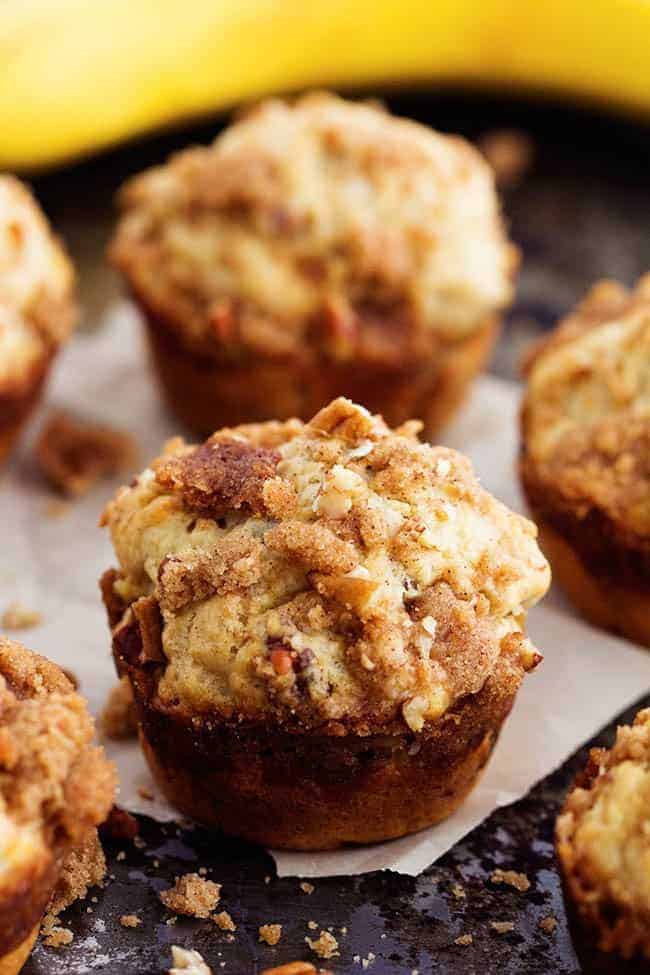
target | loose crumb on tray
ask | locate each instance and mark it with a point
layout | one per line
(307, 888)
(118, 719)
(464, 939)
(191, 895)
(19, 617)
(270, 933)
(74, 454)
(185, 961)
(325, 946)
(224, 921)
(458, 891)
(502, 927)
(130, 921)
(548, 924)
(511, 877)
(55, 935)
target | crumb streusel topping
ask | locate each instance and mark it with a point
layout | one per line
(587, 410)
(603, 836)
(319, 218)
(54, 785)
(36, 278)
(330, 572)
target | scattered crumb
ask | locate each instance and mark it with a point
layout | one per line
(146, 794)
(517, 880)
(270, 933)
(73, 455)
(548, 924)
(120, 825)
(325, 946)
(130, 921)
(267, 879)
(170, 921)
(292, 968)
(458, 891)
(464, 939)
(118, 720)
(54, 935)
(502, 927)
(203, 871)
(191, 895)
(509, 152)
(224, 921)
(307, 888)
(19, 617)
(312, 925)
(188, 962)
(121, 855)
(55, 508)
(367, 962)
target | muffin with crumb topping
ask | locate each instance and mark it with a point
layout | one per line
(603, 842)
(586, 455)
(323, 625)
(317, 249)
(37, 307)
(55, 788)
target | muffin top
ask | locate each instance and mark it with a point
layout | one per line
(54, 785)
(603, 836)
(586, 415)
(36, 284)
(323, 224)
(329, 574)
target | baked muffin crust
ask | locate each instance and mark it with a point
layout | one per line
(334, 576)
(36, 281)
(55, 788)
(322, 224)
(603, 841)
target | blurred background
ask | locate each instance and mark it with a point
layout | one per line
(556, 94)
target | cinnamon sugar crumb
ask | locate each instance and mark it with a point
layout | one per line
(85, 867)
(73, 455)
(502, 927)
(307, 888)
(458, 891)
(224, 921)
(55, 936)
(511, 877)
(270, 933)
(548, 924)
(130, 921)
(19, 617)
(191, 895)
(325, 946)
(464, 939)
(118, 719)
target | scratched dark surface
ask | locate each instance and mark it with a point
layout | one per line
(580, 213)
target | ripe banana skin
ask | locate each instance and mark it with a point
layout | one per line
(77, 75)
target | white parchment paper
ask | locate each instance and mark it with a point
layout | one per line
(53, 564)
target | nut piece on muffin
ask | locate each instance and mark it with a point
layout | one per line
(56, 787)
(37, 309)
(323, 625)
(317, 249)
(585, 461)
(603, 842)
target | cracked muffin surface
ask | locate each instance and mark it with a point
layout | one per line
(322, 214)
(36, 285)
(330, 575)
(55, 788)
(603, 841)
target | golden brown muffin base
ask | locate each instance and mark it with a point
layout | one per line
(207, 393)
(301, 790)
(599, 598)
(16, 405)
(13, 961)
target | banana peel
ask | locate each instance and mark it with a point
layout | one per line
(78, 75)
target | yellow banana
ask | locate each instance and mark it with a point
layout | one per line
(77, 75)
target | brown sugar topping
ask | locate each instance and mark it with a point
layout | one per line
(220, 476)
(74, 455)
(192, 895)
(270, 934)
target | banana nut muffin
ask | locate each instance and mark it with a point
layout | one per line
(586, 455)
(317, 249)
(323, 625)
(603, 842)
(36, 305)
(55, 788)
